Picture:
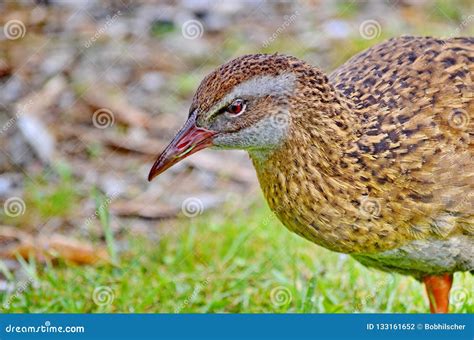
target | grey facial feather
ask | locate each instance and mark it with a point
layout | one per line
(259, 140)
(261, 86)
(265, 135)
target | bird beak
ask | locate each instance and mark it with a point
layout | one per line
(189, 140)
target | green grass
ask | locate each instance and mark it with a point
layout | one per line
(237, 261)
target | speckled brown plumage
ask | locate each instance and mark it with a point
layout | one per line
(374, 160)
(386, 156)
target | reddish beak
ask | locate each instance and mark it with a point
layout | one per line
(189, 140)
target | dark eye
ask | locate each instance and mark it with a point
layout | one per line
(237, 107)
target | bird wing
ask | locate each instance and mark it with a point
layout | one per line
(414, 98)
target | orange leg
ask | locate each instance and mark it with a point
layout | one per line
(438, 287)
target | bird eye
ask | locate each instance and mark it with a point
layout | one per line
(237, 107)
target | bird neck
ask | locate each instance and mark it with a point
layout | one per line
(323, 128)
(309, 174)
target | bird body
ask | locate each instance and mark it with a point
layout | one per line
(393, 173)
(376, 160)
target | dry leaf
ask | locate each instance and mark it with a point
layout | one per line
(16, 242)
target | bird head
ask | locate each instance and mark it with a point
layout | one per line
(244, 104)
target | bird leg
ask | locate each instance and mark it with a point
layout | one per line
(437, 288)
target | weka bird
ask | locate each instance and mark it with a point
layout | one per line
(375, 160)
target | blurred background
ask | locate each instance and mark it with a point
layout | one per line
(92, 91)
